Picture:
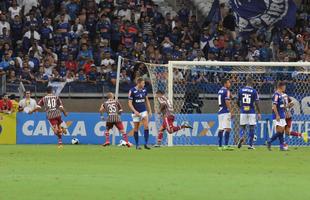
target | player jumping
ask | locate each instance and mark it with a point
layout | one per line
(140, 106)
(247, 100)
(288, 103)
(278, 115)
(166, 110)
(53, 108)
(113, 108)
(225, 114)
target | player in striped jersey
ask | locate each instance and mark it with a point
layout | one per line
(53, 107)
(166, 110)
(288, 103)
(113, 108)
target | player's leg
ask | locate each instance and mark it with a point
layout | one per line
(280, 128)
(251, 137)
(252, 123)
(145, 121)
(109, 126)
(170, 125)
(56, 129)
(160, 136)
(288, 130)
(227, 130)
(120, 127)
(136, 123)
(161, 132)
(220, 131)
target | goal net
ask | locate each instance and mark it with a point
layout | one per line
(192, 88)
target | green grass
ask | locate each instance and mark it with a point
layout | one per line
(92, 172)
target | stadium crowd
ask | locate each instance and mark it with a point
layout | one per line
(79, 41)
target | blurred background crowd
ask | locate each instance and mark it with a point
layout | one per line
(79, 41)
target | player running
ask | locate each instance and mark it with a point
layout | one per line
(53, 108)
(140, 106)
(225, 114)
(288, 103)
(166, 110)
(278, 115)
(247, 101)
(113, 108)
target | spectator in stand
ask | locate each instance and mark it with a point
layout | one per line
(6, 104)
(92, 75)
(27, 104)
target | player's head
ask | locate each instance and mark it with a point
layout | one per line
(140, 82)
(49, 90)
(249, 81)
(226, 83)
(281, 86)
(110, 95)
(160, 93)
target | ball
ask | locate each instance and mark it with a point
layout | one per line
(75, 141)
(255, 138)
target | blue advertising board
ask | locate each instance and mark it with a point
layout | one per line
(89, 129)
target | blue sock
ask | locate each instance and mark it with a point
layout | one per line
(146, 136)
(220, 137)
(227, 133)
(274, 137)
(136, 136)
(281, 139)
(241, 133)
(251, 137)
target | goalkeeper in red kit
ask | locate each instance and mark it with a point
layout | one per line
(113, 108)
(166, 110)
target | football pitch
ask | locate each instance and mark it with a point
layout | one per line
(93, 172)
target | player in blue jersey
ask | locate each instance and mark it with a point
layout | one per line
(140, 106)
(278, 115)
(247, 101)
(225, 114)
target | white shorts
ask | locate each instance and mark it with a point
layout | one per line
(224, 121)
(247, 119)
(137, 118)
(281, 123)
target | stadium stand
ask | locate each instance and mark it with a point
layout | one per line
(79, 41)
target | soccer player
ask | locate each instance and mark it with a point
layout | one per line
(140, 106)
(225, 114)
(278, 115)
(53, 107)
(288, 103)
(166, 110)
(247, 101)
(113, 108)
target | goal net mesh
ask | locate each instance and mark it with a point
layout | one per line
(195, 89)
